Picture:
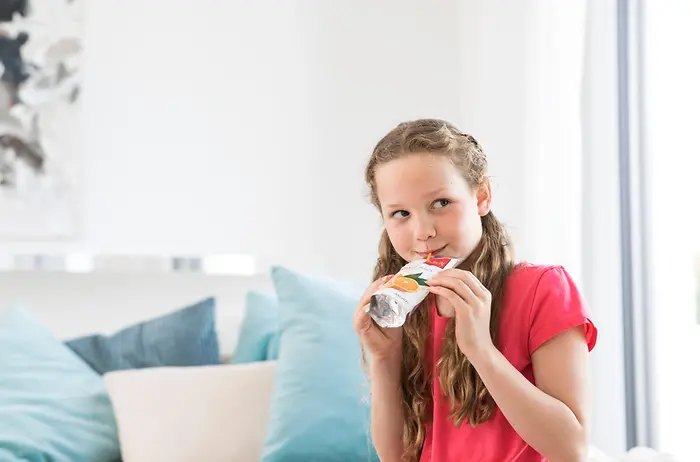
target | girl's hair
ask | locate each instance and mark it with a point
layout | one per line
(491, 262)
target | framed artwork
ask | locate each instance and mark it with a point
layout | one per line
(40, 131)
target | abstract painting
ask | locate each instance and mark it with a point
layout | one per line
(40, 138)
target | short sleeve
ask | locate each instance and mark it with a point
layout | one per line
(557, 306)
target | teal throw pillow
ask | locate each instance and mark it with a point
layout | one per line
(320, 408)
(257, 340)
(53, 406)
(181, 338)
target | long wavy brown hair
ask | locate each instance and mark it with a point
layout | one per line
(491, 262)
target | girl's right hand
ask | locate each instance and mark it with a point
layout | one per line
(380, 343)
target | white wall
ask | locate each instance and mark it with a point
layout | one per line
(243, 127)
(72, 305)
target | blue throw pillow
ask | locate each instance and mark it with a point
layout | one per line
(186, 337)
(52, 405)
(259, 329)
(273, 347)
(319, 408)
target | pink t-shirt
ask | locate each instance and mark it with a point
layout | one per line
(539, 302)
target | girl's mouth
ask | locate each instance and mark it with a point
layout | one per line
(431, 252)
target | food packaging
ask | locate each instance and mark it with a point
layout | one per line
(400, 295)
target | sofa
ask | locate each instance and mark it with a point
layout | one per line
(216, 414)
(170, 388)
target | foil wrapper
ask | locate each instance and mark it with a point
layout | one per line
(391, 305)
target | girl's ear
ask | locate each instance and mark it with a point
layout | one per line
(483, 197)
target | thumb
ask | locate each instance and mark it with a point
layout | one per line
(373, 288)
(363, 321)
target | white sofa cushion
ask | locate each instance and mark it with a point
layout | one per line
(212, 413)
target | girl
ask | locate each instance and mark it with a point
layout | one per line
(493, 366)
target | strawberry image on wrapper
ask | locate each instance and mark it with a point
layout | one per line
(398, 297)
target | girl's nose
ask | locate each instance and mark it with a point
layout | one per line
(425, 229)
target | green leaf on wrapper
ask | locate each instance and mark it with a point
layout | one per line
(417, 277)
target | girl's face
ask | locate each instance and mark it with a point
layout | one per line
(428, 207)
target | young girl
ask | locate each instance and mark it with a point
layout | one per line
(493, 366)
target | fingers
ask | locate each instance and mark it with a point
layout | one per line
(468, 279)
(373, 288)
(477, 287)
(457, 302)
(456, 286)
(361, 320)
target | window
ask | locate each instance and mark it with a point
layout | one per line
(664, 97)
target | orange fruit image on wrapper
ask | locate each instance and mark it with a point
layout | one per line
(398, 297)
(404, 284)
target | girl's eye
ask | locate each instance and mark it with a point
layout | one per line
(440, 203)
(399, 214)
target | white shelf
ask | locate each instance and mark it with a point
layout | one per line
(218, 264)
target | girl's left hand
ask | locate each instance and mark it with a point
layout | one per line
(470, 302)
